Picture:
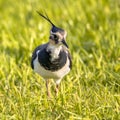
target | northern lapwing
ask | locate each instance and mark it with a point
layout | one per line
(52, 60)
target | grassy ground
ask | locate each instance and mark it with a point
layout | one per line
(92, 89)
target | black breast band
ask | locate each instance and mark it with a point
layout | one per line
(44, 60)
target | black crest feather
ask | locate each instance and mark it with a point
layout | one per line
(54, 28)
(45, 17)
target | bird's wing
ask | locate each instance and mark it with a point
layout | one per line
(70, 58)
(34, 55)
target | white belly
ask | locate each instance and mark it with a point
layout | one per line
(47, 74)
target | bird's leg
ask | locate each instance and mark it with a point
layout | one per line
(47, 87)
(56, 89)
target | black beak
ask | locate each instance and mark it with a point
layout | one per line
(64, 43)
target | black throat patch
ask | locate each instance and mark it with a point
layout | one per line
(44, 60)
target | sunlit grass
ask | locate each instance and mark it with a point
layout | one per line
(92, 89)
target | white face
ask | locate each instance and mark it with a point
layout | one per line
(63, 35)
(57, 37)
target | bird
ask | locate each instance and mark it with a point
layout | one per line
(52, 60)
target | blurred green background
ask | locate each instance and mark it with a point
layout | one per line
(92, 89)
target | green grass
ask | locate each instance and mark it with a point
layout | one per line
(92, 89)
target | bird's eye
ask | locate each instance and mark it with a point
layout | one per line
(55, 37)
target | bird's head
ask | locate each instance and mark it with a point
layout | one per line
(57, 35)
